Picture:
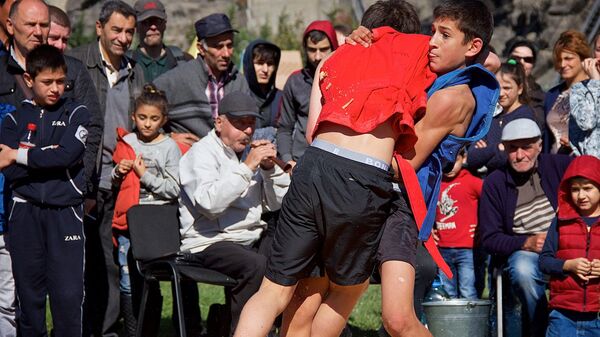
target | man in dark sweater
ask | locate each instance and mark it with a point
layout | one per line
(517, 205)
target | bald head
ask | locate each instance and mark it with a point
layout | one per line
(28, 24)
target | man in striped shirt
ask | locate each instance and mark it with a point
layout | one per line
(517, 205)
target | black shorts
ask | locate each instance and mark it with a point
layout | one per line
(400, 234)
(332, 216)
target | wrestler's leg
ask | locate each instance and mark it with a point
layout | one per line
(333, 313)
(299, 314)
(398, 313)
(260, 311)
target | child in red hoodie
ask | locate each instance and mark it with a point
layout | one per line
(455, 222)
(571, 253)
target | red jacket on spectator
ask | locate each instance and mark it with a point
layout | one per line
(576, 241)
(129, 191)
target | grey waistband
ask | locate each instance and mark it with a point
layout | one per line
(348, 154)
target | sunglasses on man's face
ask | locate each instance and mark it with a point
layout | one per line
(526, 59)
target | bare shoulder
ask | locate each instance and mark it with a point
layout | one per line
(458, 97)
(452, 106)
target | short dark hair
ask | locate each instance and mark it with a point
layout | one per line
(115, 6)
(472, 17)
(266, 53)
(152, 96)
(398, 14)
(44, 57)
(59, 17)
(316, 36)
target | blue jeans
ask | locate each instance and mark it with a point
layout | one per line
(529, 284)
(567, 323)
(462, 284)
(124, 281)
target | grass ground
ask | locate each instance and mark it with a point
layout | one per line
(364, 321)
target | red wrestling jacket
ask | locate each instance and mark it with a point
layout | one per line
(390, 82)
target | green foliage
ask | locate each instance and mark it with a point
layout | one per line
(78, 33)
(364, 320)
(288, 36)
(289, 32)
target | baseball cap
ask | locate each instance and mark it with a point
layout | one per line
(213, 25)
(145, 9)
(238, 104)
(520, 128)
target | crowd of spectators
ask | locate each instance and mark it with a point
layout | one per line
(166, 127)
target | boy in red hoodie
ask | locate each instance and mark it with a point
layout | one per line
(571, 254)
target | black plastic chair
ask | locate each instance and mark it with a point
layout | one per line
(155, 242)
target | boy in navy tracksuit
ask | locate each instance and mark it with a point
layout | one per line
(45, 218)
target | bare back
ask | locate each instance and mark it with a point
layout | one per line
(379, 143)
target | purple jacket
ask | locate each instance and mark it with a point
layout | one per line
(499, 201)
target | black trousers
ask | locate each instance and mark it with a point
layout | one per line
(47, 248)
(243, 263)
(102, 307)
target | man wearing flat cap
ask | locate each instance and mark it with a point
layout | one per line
(223, 197)
(518, 203)
(195, 88)
(152, 54)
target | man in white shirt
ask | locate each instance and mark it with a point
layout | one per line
(223, 196)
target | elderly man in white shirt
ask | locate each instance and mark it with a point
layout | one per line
(223, 197)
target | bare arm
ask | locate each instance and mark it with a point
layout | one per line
(315, 103)
(448, 112)
(315, 106)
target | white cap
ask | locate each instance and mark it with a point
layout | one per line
(520, 128)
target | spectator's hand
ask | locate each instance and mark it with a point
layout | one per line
(293, 164)
(500, 146)
(535, 243)
(186, 138)
(580, 267)
(138, 166)
(261, 152)
(361, 35)
(590, 66)
(435, 235)
(7, 156)
(124, 166)
(595, 268)
(564, 142)
(480, 144)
